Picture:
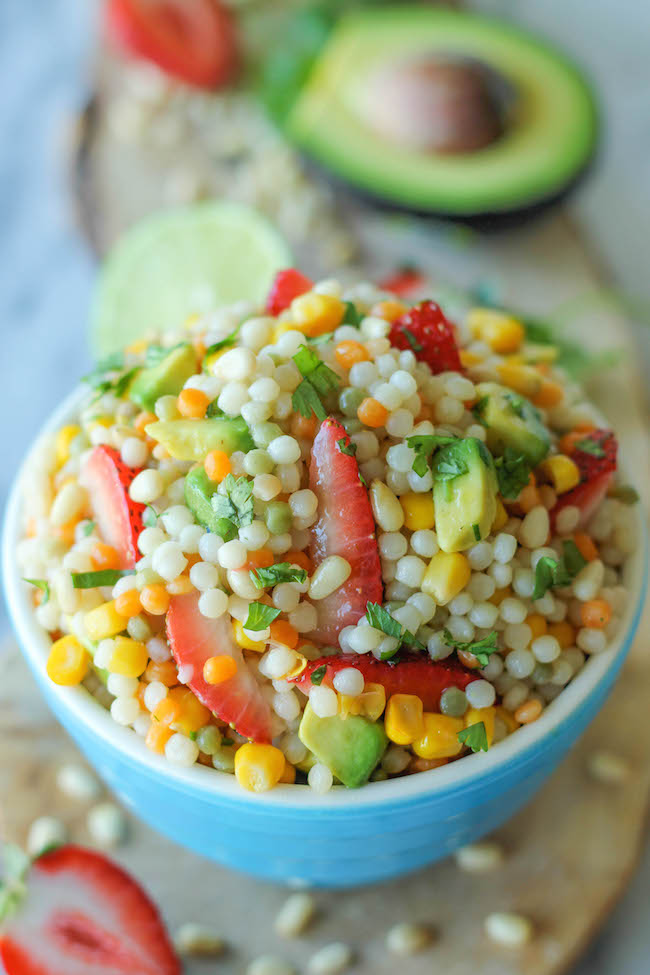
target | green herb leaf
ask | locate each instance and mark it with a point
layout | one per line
(321, 339)
(236, 506)
(14, 867)
(551, 572)
(41, 584)
(425, 446)
(588, 446)
(319, 380)
(89, 528)
(477, 532)
(213, 409)
(226, 742)
(260, 616)
(223, 343)
(573, 559)
(318, 674)
(352, 316)
(474, 737)
(480, 648)
(411, 339)
(273, 574)
(347, 447)
(193, 735)
(104, 577)
(479, 408)
(544, 576)
(513, 473)
(516, 402)
(112, 363)
(156, 353)
(149, 516)
(381, 619)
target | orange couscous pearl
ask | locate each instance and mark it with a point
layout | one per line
(304, 428)
(563, 632)
(586, 546)
(219, 669)
(128, 603)
(157, 737)
(301, 559)
(349, 352)
(372, 413)
(217, 465)
(165, 672)
(549, 395)
(569, 440)
(388, 309)
(596, 614)
(154, 599)
(529, 711)
(284, 632)
(262, 558)
(143, 420)
(537, 624)
(104, 556)
(192, 403)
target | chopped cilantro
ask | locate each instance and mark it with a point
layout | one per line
(13, 886)
(260, 616)
(156, 353)
(474, 737)
(320, 339)
(150, 516)
(213, 409)
(352, 316)
(318, 674)
(104, 577)
(411, 339)
(319, 380)
(226, 742)
(381, 619)
(273, 574)
(118, 386)
(481, 649)
(589, 446)
(425, 446)
(41, 584)
(477, 532)
(513, 473)
(236, 506)
(362, 479)
(89, 528)
(348, 448)
(193, 735)
(550, 572)
(517, 403)
(479, 408)
(222, 343)
(450, 463)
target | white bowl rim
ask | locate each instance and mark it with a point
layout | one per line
(456, 776)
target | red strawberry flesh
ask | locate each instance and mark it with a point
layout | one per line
(403, 282)
(597, 465)
(83, 914)
(345, 527)
(430, 336)
(119, 519)
(194, 638)
(286, 286)
(411, 674)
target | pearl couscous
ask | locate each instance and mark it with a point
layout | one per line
(332, 540)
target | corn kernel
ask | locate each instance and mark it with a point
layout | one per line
(281, 327)
(373, 701)
(190, 714)
(447, 575)
(129, 657)
(403, 720)
(501, 517)
(68, 662)
(418, 510)
(502, 332)
(468, 358)
(316, 314)
(104, 621)
(245, 641)
(537, 624)
(439, 738)
(486, 715)
(64, 438)
(524, 379)
(561, 471)
(259, 768)
(508, 719)
(139, 347)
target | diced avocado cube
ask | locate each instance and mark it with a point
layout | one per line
(167, 378)
(193, 439)
(199, 490)
(351, 747)
(464, 494)
(510, 420)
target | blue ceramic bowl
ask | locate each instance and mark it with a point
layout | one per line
(291, 835)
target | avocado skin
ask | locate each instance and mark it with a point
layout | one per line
(351, 747)
(465, 501)
(167, 378)
(193, 439)
(511, 420)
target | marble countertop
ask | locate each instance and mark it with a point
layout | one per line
(46, 272)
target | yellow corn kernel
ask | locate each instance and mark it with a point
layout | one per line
(317, 314)
(98, 421)
(281, 327)
(129, 657)
(439, 738)
(486, 715)
(447, 575)
(532, 352)
(500, 518)
(373, 701)
(524, 379)
(508, 719)
(104, 621)
(468, 358)
(259, 768)
(245, 641)
(64, 438)
(298, 667)
(68, 662)
(190, 713)
(210, 360)
(348, 705)
(418, 510)
(561, 471)
(193, 319)
(179, 586)
(139, 347)
(403, 721)
(502, 332)
(499, 595)
(537, 624)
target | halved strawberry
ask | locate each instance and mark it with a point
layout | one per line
(413, 673)
(119, 519)
(193, 638)
(430, 336)
(286, 286)
(404, 281)
(193, 40)
(83, 914)
(595, 456)
(345, 527)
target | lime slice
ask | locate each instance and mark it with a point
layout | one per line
(179, 262)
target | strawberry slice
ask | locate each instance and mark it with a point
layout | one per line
(193, 40)
(595, 456)
(193, 638)
(119, 519)
(413, 673)
(425, 330)
(82, 914)
(345, 527)
(286, 286)
(404, 281)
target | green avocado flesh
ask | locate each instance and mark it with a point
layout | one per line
(512, 421)
(193, 439)
(199, 490)
(548, 137)
(351, 747)
(167, 378)
(465, 502)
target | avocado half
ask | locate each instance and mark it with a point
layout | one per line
(546, 140)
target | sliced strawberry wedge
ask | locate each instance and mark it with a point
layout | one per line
(119, 519)
(430, 336)
(193, 638)
(412, 674)
(595, 456)
(286, 286)
(345, 527)
(83, 914)
(403, 282)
